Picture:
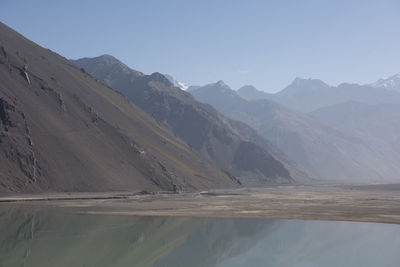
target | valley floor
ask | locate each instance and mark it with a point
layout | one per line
(366, 203)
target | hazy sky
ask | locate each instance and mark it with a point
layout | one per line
(263, 43)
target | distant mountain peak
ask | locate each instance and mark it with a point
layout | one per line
(107, 57)
(176, 83)
(103, 63)
(396, 76)
(221, 83)
(391, 83)
(156, 76)
(300, 85)
(249, 88)
(219, 88)
(308, 81)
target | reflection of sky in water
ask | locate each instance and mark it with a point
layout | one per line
(57, 237)
(315, 243)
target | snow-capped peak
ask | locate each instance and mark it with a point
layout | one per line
(391, 83)
(175, 82)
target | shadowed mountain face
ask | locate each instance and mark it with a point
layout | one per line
(324, 149)
(307, 95)
(231, 145)
(61, 130)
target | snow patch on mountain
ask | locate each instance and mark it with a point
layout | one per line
(175, 82)
(391, 83)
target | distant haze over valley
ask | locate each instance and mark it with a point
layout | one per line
(303, 121)
(163, 134)
(200, 133)
(348, 131)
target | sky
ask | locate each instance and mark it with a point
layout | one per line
(262, 43)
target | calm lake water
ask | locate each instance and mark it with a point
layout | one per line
(37, 236)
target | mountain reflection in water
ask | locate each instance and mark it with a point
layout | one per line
(37, 236)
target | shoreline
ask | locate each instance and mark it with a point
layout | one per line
(379, 204)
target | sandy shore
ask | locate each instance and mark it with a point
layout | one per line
(366, 203)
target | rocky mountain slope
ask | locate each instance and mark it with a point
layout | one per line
(231, 145)
(61, 130)
(323, 148)
(176, 83)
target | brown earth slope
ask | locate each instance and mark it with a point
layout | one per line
(61, 130)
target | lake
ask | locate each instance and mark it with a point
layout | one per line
(32, 235)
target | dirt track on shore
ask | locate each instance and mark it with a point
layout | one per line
(366, 203)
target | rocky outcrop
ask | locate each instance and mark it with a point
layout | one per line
(17, 146)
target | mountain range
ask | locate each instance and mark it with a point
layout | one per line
(62, 130)
(306, 95)
(317, 141)
(232, 145)
(95, 124)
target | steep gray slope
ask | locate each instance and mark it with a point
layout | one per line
(328, 151)
(201, 126)
(61, 130)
